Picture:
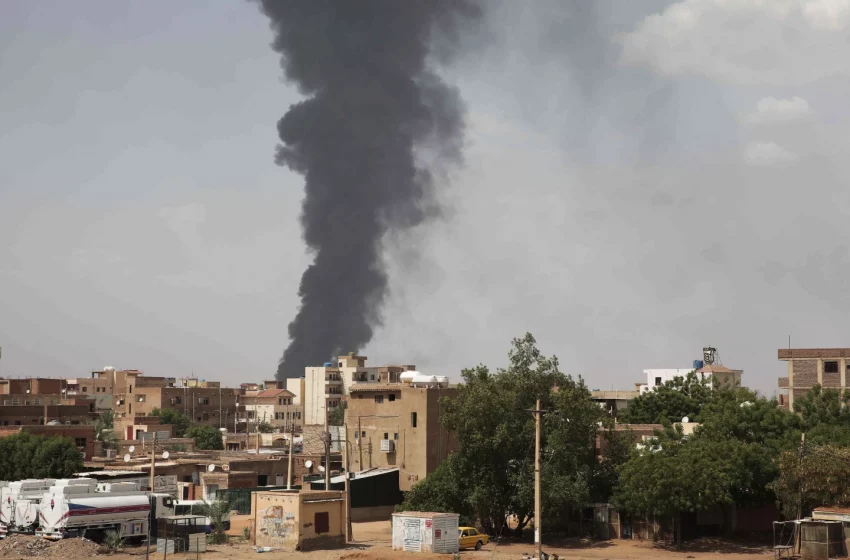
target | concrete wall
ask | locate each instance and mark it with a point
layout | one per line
(292, 520)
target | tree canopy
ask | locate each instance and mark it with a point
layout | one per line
(27, 456)
(206, 437)
(179, 422)
(337, 415)
(670, 402)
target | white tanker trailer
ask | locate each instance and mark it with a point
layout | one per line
(66, 515)
(9, 496)
(27, 508)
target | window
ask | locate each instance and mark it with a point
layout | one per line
(392, 397)
(177, 400)
(131, 388)
(657, 381)
(321, 522)
(37, 401)
(203, 400)
(80, 442)
(830, 367)
(130, 410)
(386, 435)
(299, 417)
(372, 377)
(412, 419)
(86, 390)
(15, 401)
(362, 434)
(395, 436)
(473, 533)
(379, 398)
(52, 402)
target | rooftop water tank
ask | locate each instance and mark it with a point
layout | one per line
(442, 381)
(424, 381)
(408, 376)
(328, 364)
(698, 364)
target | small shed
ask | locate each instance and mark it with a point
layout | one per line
(292, 520)
(821, 539)
(416, 531)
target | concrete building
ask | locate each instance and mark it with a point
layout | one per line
(215, 406)
(708, 368)
(323, 388)
(396, 425)
(298, 521)
(613, 402)
(36, 415)
(273, 406)
(32, 386)
(808, 367)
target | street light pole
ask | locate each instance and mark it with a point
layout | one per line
(537, 521)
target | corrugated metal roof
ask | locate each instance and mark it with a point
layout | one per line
(363, 474)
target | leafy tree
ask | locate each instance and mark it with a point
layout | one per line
(492, 420)
(823, 406)
(217, 511)
(26, 456)
(206, 437)
(816, 479)
(620, 446)
(670, 402)
(444, 490)
(179, 422)
(337, 415)
(104, 430)
(265, 428)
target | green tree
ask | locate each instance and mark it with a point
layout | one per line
(217, 511)
(179, 422)
(265, 428)
(206, 437)
(337, 415)
(823, 406)
(26, 456)
(104, 430)
(670, 402)
(816, 479)
(444, 490)
(491, 418)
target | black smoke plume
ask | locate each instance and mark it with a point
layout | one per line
(374, 112)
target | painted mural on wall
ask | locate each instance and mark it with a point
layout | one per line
(278, 528)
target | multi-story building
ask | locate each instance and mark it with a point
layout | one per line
(613, 402)
(31, 386)
(398, 425)
(215, 406)
(31, 415)
(323, 388)
(707, 368)
(807, 367)
(273, 406)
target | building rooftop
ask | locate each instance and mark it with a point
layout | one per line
(363, 474)
(812, 353)
(269, 393)
(715, 368)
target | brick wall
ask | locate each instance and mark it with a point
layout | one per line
(832, 380)
(805, 373)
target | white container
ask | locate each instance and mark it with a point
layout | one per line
(424, 381)
(62, 514)
(415, 531)
(408, 376)
(442, 381)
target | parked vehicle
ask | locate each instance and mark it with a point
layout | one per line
(193, 507)
(9, 496)
(469, 537)
(131, 513)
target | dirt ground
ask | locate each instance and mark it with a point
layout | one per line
(373, 543)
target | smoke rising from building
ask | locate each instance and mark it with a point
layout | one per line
(374, 111)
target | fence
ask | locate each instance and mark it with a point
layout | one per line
(239, 499)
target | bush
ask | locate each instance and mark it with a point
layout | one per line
(113, 541)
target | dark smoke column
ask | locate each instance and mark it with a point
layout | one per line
(373, 112)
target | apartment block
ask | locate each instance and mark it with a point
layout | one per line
(324, 387)
(807, 367)
(398, 425)
(214, 406)
(273, 406)
(31, 386)
(37, 415)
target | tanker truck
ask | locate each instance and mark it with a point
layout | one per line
(10, 495)
(27, 507)
(65, 514)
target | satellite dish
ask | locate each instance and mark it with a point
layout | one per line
(685, 420)
(211, 468)
(225, 468)
(165, 454)
(127, 458)
(308, 464)
(321, 468)
(132, 448)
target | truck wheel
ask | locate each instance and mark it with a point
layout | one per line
(478, 545)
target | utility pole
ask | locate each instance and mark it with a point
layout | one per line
(291, 445)
(347, 486)
(802, 452)
(219, 406)
(359, 439)
(153, 462)
(327, 438)
(537, 521)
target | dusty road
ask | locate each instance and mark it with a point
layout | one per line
(373, 543)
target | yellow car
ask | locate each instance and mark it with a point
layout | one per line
(470, 538)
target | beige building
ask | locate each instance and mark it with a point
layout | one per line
(397, 425)
(292, 520)
(273, 406)
(214, 406)
(808, 367)
(323, 388)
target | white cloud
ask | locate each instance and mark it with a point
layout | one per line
(771, 110)
(767, 153)
(747, 42)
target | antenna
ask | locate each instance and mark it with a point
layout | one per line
(132, 448)
(211, 468)
(165, 454)
(127, 458)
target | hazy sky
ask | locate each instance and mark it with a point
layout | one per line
(641, 179)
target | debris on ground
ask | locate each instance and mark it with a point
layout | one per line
(27, 546)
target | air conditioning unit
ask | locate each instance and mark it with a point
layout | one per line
(387, 446)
